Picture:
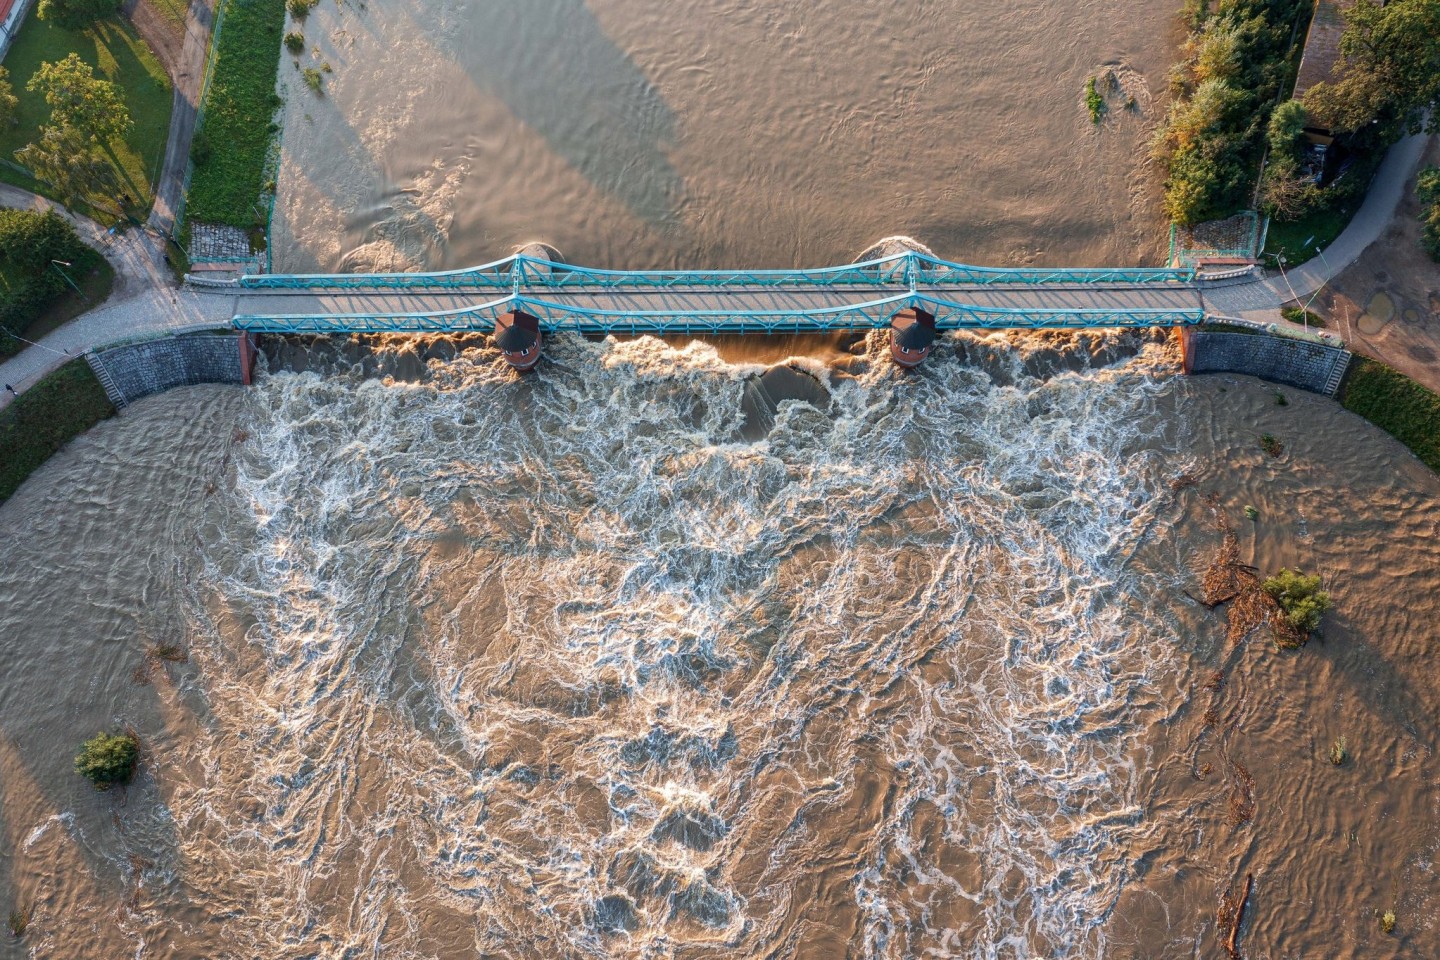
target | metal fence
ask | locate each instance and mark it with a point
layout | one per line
(1240, 237)
(909, 268)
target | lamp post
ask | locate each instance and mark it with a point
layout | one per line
(57, 264)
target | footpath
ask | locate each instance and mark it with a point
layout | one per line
(1261, 300)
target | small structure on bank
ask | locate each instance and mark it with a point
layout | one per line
(912, 336)
(518, 336)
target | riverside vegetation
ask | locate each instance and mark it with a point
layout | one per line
(40, 258)
(1229, 119)
(108, 759)
(88, 108)
(232, 149)
(46, 417)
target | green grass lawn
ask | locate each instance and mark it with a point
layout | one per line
(117, 54)
(1397, 405)
(45, 418)
(1297, 239)
(233, 144)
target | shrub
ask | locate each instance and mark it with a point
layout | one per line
(1302, 316)
(295, 42)
(314, 79)
(107, 759)
(1301, 598)
(1094, 102)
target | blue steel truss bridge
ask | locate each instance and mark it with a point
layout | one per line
(856, 296)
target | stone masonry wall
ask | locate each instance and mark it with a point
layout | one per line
(1297, 363)
(138, 370)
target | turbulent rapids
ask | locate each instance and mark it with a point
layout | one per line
(572, 663)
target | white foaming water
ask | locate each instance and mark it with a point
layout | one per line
(563, 666)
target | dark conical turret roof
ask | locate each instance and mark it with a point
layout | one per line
(914, 329)
(516, 332)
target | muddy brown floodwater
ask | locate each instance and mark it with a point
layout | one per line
(657, 655)
(721, 133)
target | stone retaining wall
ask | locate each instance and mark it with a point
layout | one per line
(138, 370)
(1297, 363)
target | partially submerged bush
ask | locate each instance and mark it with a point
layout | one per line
(1302, 600)
(1094, 101)
(107, 759)
(295, 42)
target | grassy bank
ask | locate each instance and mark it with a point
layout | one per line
(1397, 405)
(231, 149)
(116, 52)
(48, 275)
(45, 418)
(94, 276)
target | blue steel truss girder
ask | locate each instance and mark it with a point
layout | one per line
(899, 271)
(870, 314)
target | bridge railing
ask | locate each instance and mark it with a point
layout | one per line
(901, 270)
(949, 314)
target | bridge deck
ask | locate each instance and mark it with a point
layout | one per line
(619, 309)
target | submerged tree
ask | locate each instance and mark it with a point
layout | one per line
(107, 759)
(1301, 598)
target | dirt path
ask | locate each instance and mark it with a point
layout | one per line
(183, 55)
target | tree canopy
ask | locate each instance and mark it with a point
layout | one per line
(81, 101)
(76, 13)
(8, 102)
(1389, 70)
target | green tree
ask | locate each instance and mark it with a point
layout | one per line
(29, 240)
(107, 759)
(1287, 125)
(1301, 598)
(79, 100)
(76, 13)
(1389, 70)
(8, 102)
(70, 162)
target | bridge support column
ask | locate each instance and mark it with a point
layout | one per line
(912, 336)
(518, 336)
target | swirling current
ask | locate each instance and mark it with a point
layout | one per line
(638, 659)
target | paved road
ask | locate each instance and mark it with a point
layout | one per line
(1261, 300)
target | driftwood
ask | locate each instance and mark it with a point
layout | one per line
(1232, 942)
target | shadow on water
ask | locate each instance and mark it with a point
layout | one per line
(553, 65)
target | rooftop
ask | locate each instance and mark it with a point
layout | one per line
(1322, 45)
